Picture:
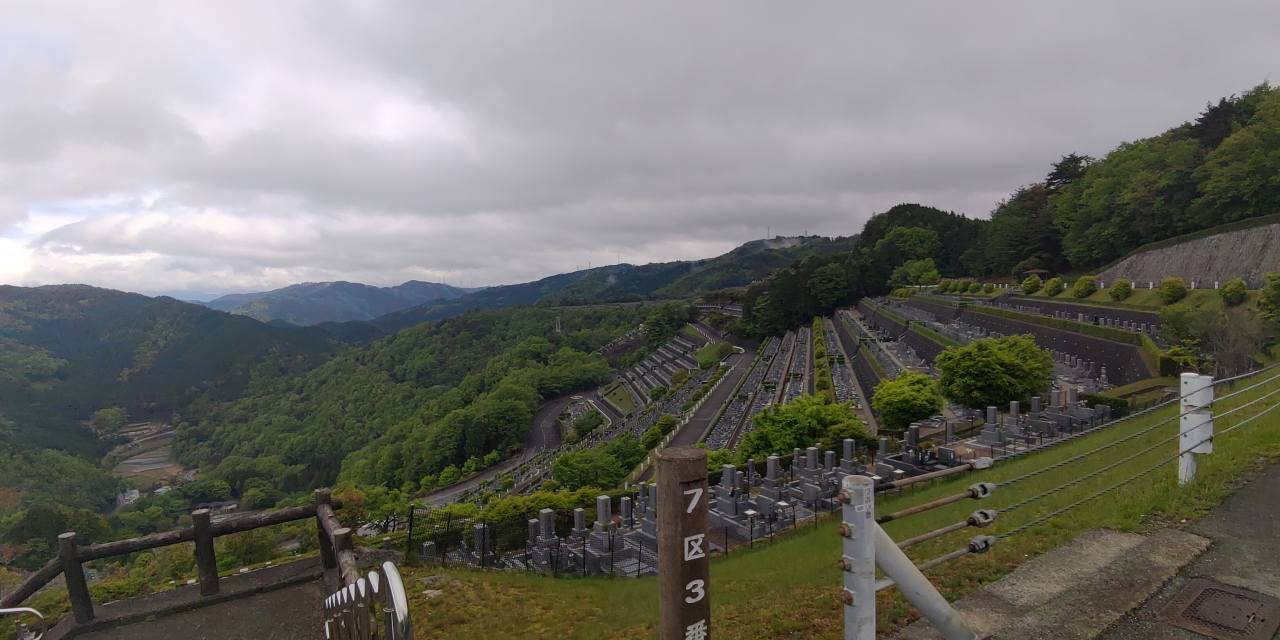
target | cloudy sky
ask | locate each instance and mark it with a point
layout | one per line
(218, 146)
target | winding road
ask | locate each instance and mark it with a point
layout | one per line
(543, 434)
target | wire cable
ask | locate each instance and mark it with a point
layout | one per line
(1157, 445)
(1149, 429)
(1094, 496)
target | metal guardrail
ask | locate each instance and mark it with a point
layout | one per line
(24, 631)
(374, 607)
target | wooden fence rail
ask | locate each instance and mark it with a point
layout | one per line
(336, 550)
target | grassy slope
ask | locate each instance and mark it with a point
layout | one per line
(789, 589)
(621, 399)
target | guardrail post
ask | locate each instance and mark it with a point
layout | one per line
(73, 574)
(1195, 426)
(918, 590)
(206, 563)
(683, 562)
(859, 557)
(327, 558)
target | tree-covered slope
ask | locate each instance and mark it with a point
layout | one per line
(625, 282)
(316, 302)
(458, 388)
(1222, 167)
(69, 350)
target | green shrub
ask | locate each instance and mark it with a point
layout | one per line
(1233, 292)
(1172, 290)
(1269, 300)
(989, 288)
(1053, 287)
(943, 286)
(1084, 287)
(1121, 289)
(1031, 284)
(975, 287)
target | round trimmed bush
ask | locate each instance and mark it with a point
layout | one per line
(1172, 290)
(1084, 287)
(943, 286)
(1053, 287)
(1031, 284)
(1233, 292)
(988, 288)
(1121, 289)
(975, 287)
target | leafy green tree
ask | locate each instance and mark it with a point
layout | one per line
(657, 393)
(627, 450)
(1053, 287)
(1171, 290)
(1031, 284)
(450, 475)
(1120, 290)
(587, 468)
(914, 272)
(828, 285)
(994, 371)
(807, 421)
(1238, 178)
(666, 424)
(1269, 297)
(1084, 287)
(906, 399)
(652, 436)
(109, 419)
(944, 286)
(903, 244)
(1233, 292)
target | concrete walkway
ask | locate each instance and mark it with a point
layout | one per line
(1245, 530)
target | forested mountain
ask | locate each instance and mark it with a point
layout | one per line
(69, 350)
(458, 389)
(1221, 167)
(625, 282)
(316, 302)
(909, 241)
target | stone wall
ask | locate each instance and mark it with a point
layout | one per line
(1247, 253)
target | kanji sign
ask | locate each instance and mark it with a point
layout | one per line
(683, 565)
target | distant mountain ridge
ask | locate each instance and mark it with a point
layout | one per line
(313, 303)
(627, 282)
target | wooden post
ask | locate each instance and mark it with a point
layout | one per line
(342, 546)
(206, 562)
(73, 573)
(683, 563)
(327, 558)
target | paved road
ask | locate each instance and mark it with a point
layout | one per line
(543, 434)
(1245, 530)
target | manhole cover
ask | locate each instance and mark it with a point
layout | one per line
(1222, 611)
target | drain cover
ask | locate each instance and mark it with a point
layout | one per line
(1222, 611)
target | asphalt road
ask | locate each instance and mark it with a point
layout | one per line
(544, 434)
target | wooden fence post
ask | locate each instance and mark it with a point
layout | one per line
(683, 564)
(73, 573)
(327, 558)
(206, 562)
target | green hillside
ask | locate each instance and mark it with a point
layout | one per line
(70, 350)
(456, 389)
(626, 282)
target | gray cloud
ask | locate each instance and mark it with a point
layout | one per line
(246, 145)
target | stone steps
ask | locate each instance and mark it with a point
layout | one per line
(1077, 590)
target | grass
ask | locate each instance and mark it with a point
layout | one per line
(690, 332)
(621, 399)
(1146, 299)
(789, 589)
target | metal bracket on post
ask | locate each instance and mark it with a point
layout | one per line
(1195, 427)
(858, 561)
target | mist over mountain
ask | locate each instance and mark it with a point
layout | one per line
(312, 303)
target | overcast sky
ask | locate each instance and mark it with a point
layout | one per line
(224, 146)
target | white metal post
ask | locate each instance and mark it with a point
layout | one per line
(916, 588)
(1195, 426)
(859, 561)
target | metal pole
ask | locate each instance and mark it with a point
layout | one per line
(859, 559)
(917, 589)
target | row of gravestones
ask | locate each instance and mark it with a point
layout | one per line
(744, 505)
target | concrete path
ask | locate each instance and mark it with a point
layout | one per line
(1245, 530)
